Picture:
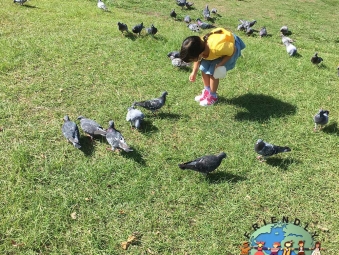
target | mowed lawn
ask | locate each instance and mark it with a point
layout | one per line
(68, 57)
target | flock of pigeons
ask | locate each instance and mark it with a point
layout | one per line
(205, 164)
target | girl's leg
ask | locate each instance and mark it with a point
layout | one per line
(214, 83)
(206, 80)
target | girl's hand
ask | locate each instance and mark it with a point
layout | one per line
(192, 77)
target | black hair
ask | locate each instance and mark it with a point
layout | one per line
(193, 46)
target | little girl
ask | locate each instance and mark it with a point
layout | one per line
(220, 47)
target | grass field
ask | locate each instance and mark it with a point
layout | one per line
(68, 57)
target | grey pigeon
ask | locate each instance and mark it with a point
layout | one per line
(101, 5)
(189, 5)
(193, 27)
(90, 127)
(206, 13)
(178, 62)
(138, 28)
(71, 131)
(214, 11)
(265, 149)
(321, 118)
(187, 19)
(122, 27)
(173, 14)
(135, 117)
(153, 104)
(286, 39)
(175, 54)
(205, 164)
(290, 48)
(284, 30)
(263, 32)
(204, 25)
(181, 3)
(241, 27)
(115, 139)
(316, 59)
(21, 2)
(244, 24)
(152, 30)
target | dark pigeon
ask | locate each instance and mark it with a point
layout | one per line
(122, 27)
(316, 59)
(205, 164)
(175, 54)
(206, 13)
(265, 149)
(173, 14)
(138, 28)
(204, 25)
(249, 31)
(263, 32)
(71, 131)
(152, 30)
(21, 2)
(115, 139)
(91, 128)
(135, 117)
(153, 104)
(321, 119)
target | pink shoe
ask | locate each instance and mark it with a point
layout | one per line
(210, 100)
(204, 94)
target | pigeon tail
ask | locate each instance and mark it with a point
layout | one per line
(100, 132)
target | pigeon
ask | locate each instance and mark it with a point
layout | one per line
(153, 104)
(152, 30)
(101, 5)
(187, 19)
(205, 164)
(181, 3)
(173, 14)
(90, 127)
(263, 32)
(21, 2)
(193, 27)
(321, 118)
(122, 27)
(71, 131)
(137, 28)
(175, 54)
(135, 117)
(178, 62)
(214, 11)
(265, 149)
(315, 59)
(204, 25)
(115, 139)
(189, 5)
(284, 30)
(290, 48)
(249, 31)
(206, 13)
(241, 27)
(252, 23)
(286, 39)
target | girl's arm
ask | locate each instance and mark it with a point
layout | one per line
(225, 59)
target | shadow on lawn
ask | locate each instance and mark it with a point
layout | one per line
(331, 129)
(260, 107)
(147, 127)
(87, 146)
(135, 155)
(282, 163)
(220, 177)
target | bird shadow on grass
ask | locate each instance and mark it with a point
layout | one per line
(160, 38)
(134, 155)
(168, 115)
(220, 177)
(297, 55)
(260, 107)
(331, 129)
(184, 69)
(282, 163)
(87, 146)
(147, 127)
(29, 6)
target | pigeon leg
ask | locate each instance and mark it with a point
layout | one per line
(259, 157)
(315, 127)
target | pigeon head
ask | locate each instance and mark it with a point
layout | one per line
(222, 155)
(66, 118)
(324, 112)
(111, 124)
(259, 145)
(164, 94)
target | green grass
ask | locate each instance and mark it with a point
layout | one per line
(69, 58)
